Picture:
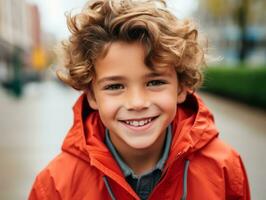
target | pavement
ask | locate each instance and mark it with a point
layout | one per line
(244, 128)
(32, 130)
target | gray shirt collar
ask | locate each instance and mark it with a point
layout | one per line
(127, 171)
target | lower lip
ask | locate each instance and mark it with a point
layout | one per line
(139, 128)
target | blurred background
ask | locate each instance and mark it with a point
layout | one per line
(35, 108)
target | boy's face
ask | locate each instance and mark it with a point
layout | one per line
(134, 102)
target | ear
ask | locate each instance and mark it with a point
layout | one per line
(181, 94)
(91, 99)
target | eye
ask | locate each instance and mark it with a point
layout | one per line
(114, 87)
(156, 83)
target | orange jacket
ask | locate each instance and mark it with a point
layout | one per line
(199, 166)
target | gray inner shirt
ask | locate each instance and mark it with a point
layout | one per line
(144, 183)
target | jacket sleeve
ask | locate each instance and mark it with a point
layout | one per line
(44, 188)
(236, 181)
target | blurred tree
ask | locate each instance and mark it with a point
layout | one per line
(242, 19)
(17, 64)
(238, 10)
(219, 8)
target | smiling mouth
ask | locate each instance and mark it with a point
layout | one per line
(138, 122)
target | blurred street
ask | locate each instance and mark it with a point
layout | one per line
(32, 130)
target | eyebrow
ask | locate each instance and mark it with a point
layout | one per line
(111, 78)
(155, 74)
(121, 78)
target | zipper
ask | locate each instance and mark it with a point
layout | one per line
(114, 176)
(180, 156)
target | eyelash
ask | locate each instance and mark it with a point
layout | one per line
(156, 82)
(114, 87)
(119, 86)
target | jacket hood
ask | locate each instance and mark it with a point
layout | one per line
(193, 128)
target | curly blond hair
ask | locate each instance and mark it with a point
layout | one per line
(168, 41)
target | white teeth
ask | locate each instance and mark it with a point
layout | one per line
(135, 123)
(138, 123)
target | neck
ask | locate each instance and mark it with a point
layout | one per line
(141, 160)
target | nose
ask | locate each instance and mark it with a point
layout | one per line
(137, 99)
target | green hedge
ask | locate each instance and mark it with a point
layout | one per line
(241, 83)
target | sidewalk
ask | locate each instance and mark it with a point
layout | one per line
(31, 130)
(245, 129)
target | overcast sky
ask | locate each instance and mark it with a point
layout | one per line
(53, 19)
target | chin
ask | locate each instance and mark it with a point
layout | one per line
(141, 143)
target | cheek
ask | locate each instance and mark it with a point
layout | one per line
(170, 97)
(108, 107)
(168, 102)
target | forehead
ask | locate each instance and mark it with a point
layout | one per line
(125, 59)
(119, 52)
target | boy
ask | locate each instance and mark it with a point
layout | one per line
(139, 131)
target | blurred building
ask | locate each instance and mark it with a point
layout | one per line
(13, 23)
(15, 42)
(34, 24)
(13, 34)
(228, 22)
(22, 54)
